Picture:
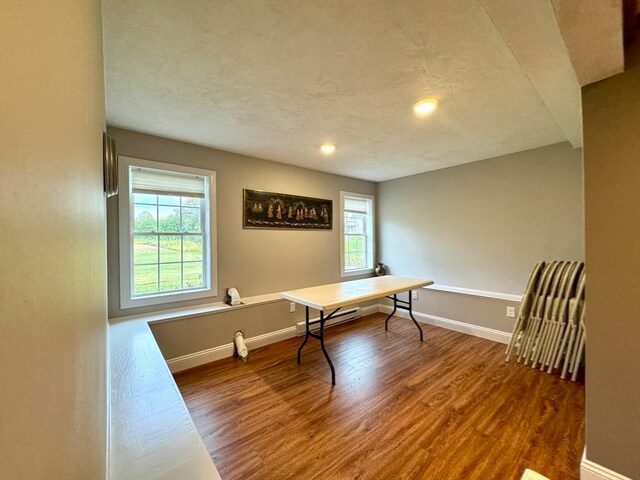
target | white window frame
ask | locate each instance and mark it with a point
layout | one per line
(125, 222)
(371, 240)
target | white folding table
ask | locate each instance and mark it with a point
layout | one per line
(334, 296)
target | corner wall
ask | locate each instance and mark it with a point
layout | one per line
(611, 117)
(53, 409)
(483, 226)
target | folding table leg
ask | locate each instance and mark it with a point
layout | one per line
(411, 315)
(306, 335)
(395, 307)
(326, 355)
(318, 336)
(403, 305)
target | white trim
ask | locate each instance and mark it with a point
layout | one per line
(509, 297)
(195, 359)
(108, 372)
(592, 471)
(209, 355)
(369, 310)
(455, 325)
(124, 225)
(371, 248)
(195, 311)
(353, 273)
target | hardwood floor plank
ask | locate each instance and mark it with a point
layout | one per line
(447, 408)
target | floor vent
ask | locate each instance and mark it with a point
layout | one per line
(340, 317)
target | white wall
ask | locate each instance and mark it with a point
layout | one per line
(52, 242)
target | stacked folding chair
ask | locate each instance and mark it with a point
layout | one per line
(549, 333)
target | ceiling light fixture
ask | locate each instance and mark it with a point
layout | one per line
(328, 148)
(425, 107)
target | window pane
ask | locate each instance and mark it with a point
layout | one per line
(349, 243)
(353, 243)
(190, 202)
(354, 260)
(192, 248)
(170, 277)
(190, 219)
(168, 219)
(145, 249)
(145, 279)
(168, 200)
(193, 275)
(145, 218)
(166, 235)
(145, 198)
(170, 249)
(354, 223)
(357, 229)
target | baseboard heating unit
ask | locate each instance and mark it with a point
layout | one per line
(340, 317)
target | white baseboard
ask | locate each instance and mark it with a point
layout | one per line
(371, 309)
(195, 359)
(223, 351)
(592, 471)
(462, 327)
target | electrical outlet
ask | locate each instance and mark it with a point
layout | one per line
(511, 312)
(292, 307)
(414, 294)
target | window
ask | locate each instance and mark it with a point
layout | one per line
(356, 234)
(167, 234)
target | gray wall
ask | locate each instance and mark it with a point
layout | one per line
(189, 335)
(52, 242)
(475, 310)
(254, 261)
(611, 113)
(483, 225)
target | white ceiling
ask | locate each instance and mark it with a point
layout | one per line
(275, 79)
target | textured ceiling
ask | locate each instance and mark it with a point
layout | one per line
(275, 79)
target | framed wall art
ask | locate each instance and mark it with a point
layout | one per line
(283, 211)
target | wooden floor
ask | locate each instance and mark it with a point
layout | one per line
(448, 408)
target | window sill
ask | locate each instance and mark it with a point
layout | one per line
(160, 299)
(207, 309)
(354, 273)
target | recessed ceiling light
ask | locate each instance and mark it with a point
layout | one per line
(425, 107)
(328, 148)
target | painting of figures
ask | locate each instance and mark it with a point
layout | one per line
(279, 210)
